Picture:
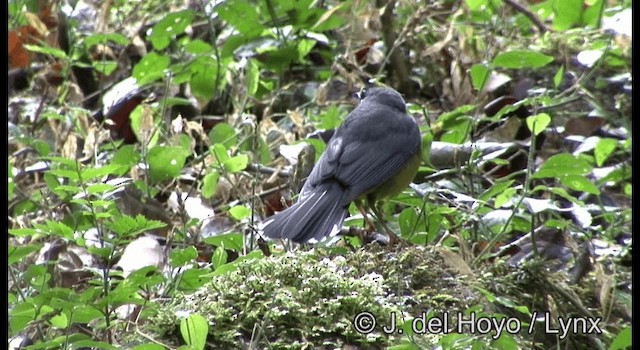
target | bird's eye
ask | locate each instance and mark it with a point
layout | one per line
(361, 95)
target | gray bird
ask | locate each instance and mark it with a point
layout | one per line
(374, 154)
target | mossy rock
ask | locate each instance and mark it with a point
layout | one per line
(310, 299)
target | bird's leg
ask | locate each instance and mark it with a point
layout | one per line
(363, 211)
(393, 238)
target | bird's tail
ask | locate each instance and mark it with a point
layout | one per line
(313, 217)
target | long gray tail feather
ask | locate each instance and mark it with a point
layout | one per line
(313, 217)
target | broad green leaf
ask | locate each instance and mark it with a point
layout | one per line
(504, 197)
(95, 39)
(225, 134)
(239, 212)
(57, 53)
(622, 340)
(233, 241)
(99, 188)
(219, 151)
(237, 163)
(91, 173)
(166, 162)
(498, 187)
(407, 221)
(219, 257)
(18, 253)
(538, 123)
(127, 226)
(169, 27)
(567, 13)
(180, 257)
(150, 68)
(210, 184)
(579, 183)
(558, 77)
(243, 16)
(20, 315)
(144, 126)
(562, 164)
(304, 47)
(148, 346)
(203, 81)
(22, 232)
(253, 77)
(198, 47)
(194, 330)
(105, 67)
(126, 156)
(479, 75)
(519, 59)
(193, 279)
(69, 174)
(603, 150)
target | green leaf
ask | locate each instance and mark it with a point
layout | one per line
(519, 59)
(304, 47)
(603, 150)
(20, 315)
(150, 68)
(219, 257)
(127, 226)
(237, 163)
(225, 134)
(57, 53)
(210, 184)
(593, 13)
(56, 228)
(219, 151)
(558, 77)
(253, 77)
(22, 232)
(96, 39)
(105, 67)
(233, 241)
(504, 197)
(193, 279)
(579, 183)
(198, 46)
(622, 340)
(137, 118)
(239, 212)
(203, 81)
(166, 162)
(99, 172)
(562, 164)
(498, 187)
(148, 346)
(169, 27)
(328, 120)
(18, 253)
(194, 330)
(99, 188)
(479, 75)
(243, 16)
(126, 156)
(180, 257)
(69, 174)
(537, 123)
(407, 221)
(567, 13)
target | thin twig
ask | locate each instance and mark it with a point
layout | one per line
(525, 11)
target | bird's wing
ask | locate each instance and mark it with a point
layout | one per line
(365, 152)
